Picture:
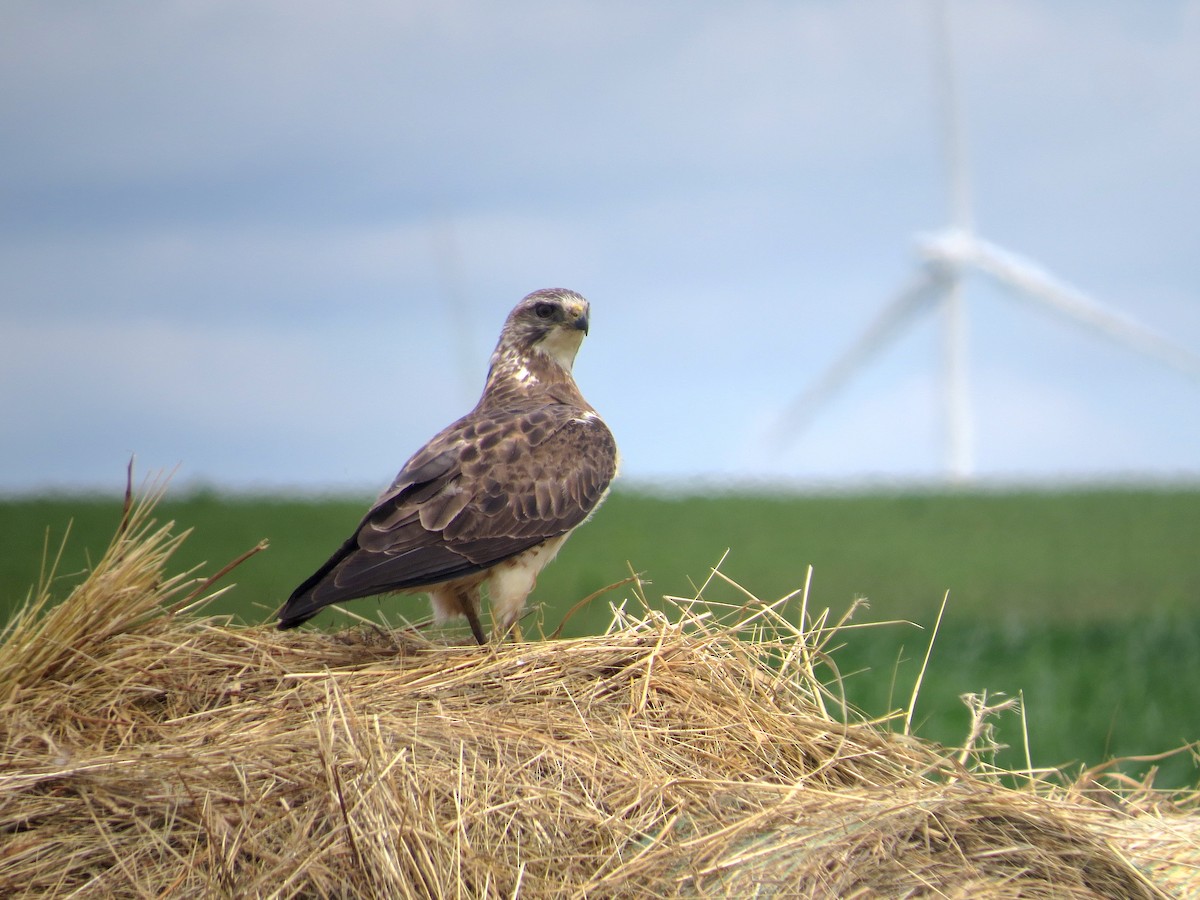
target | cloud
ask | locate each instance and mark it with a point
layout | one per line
(240, 404)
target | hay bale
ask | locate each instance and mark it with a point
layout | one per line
(146, 750)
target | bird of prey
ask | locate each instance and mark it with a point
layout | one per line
(492, 497)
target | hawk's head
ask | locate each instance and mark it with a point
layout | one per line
(550, 322)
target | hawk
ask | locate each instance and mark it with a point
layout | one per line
(492, 497)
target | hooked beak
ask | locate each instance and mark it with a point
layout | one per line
(581, 322)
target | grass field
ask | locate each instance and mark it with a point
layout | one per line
(1087, 603)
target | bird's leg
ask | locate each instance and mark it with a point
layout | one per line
(473, 620)
(456, 600)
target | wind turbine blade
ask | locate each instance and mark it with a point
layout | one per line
(954, 142)
(1028, 279)
(916, 295)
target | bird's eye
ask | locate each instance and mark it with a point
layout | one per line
(543, 310)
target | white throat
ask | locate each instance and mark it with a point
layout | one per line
(561, 345)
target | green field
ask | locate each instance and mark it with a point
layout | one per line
(1085, 602)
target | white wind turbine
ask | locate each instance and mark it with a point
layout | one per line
(946, 258)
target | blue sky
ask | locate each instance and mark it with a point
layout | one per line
(273, 243)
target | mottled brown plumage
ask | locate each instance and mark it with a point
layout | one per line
(493, 496)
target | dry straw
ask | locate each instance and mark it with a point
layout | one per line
(148, 751)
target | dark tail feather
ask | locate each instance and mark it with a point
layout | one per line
(302, 605)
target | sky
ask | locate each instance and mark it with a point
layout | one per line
(272, 244)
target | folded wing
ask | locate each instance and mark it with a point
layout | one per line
(487, 488)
